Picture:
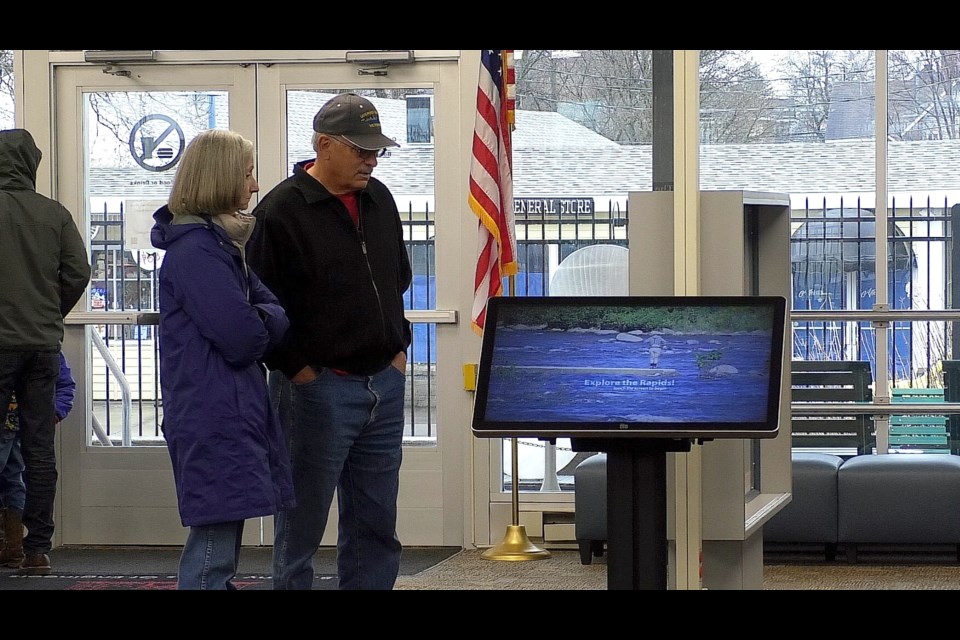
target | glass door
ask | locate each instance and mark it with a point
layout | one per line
(418, 106)
(121, 130)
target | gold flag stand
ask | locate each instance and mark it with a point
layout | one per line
(515, 544)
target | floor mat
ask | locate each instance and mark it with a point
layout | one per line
(108, 582)
(155, 568)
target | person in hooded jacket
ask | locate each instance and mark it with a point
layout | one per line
(217, 323)
(12, 490)
(44, 270)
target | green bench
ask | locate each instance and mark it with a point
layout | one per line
(920, 433)
(832, 381)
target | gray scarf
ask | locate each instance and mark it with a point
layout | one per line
(239, 226)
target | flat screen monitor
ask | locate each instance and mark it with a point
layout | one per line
(699, 367)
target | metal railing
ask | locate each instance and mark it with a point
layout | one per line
(126, 282)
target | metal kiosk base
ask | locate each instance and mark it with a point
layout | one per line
(636, 508)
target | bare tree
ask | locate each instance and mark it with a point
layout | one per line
(924, 89)
(737, 104)
(607, 91)
(611, 92)
(6, 87)
(812, 77)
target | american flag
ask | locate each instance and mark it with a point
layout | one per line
(491, 179)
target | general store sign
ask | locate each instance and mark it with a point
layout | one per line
(553, 206)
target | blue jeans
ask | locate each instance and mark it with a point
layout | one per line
(210, 557)
(12, 492)
(33, 376)
(344, 433)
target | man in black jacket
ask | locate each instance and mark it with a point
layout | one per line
(329, 244)
(44, 270)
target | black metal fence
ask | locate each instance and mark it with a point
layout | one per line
(833, 266)
(832, 262)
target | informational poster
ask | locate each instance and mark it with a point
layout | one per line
(98, 298)
(137, 222)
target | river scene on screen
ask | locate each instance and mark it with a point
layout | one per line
(675, 364)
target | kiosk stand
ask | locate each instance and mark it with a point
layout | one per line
(636, 508)
(588, 368)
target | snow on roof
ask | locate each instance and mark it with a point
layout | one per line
(557, 157)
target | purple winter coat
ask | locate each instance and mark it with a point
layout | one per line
(225, 441)
(66, 389)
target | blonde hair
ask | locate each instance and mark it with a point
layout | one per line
(211, 177)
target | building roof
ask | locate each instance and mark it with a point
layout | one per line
(557, 157)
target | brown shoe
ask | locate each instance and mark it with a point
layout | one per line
(10, 557)
(11, 554)
(35, 564)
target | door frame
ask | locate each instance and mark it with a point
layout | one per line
(256, 113)
(121, 495)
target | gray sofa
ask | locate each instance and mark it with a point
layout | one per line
(867, 499)
(590, 505)
(812, 515)
(899, 499)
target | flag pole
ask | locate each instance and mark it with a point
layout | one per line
(491, 199)
(516, 545)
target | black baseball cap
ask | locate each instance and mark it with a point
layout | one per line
(353, 118)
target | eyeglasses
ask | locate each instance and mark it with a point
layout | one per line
(363, 154)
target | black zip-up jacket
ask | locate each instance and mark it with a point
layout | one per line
(341, 286)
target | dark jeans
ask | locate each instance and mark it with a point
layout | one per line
(345, 435)
(33, 376)
(12, 493)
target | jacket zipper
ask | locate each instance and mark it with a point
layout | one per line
(366, 259)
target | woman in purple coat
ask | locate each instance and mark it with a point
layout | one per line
(217, 322)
